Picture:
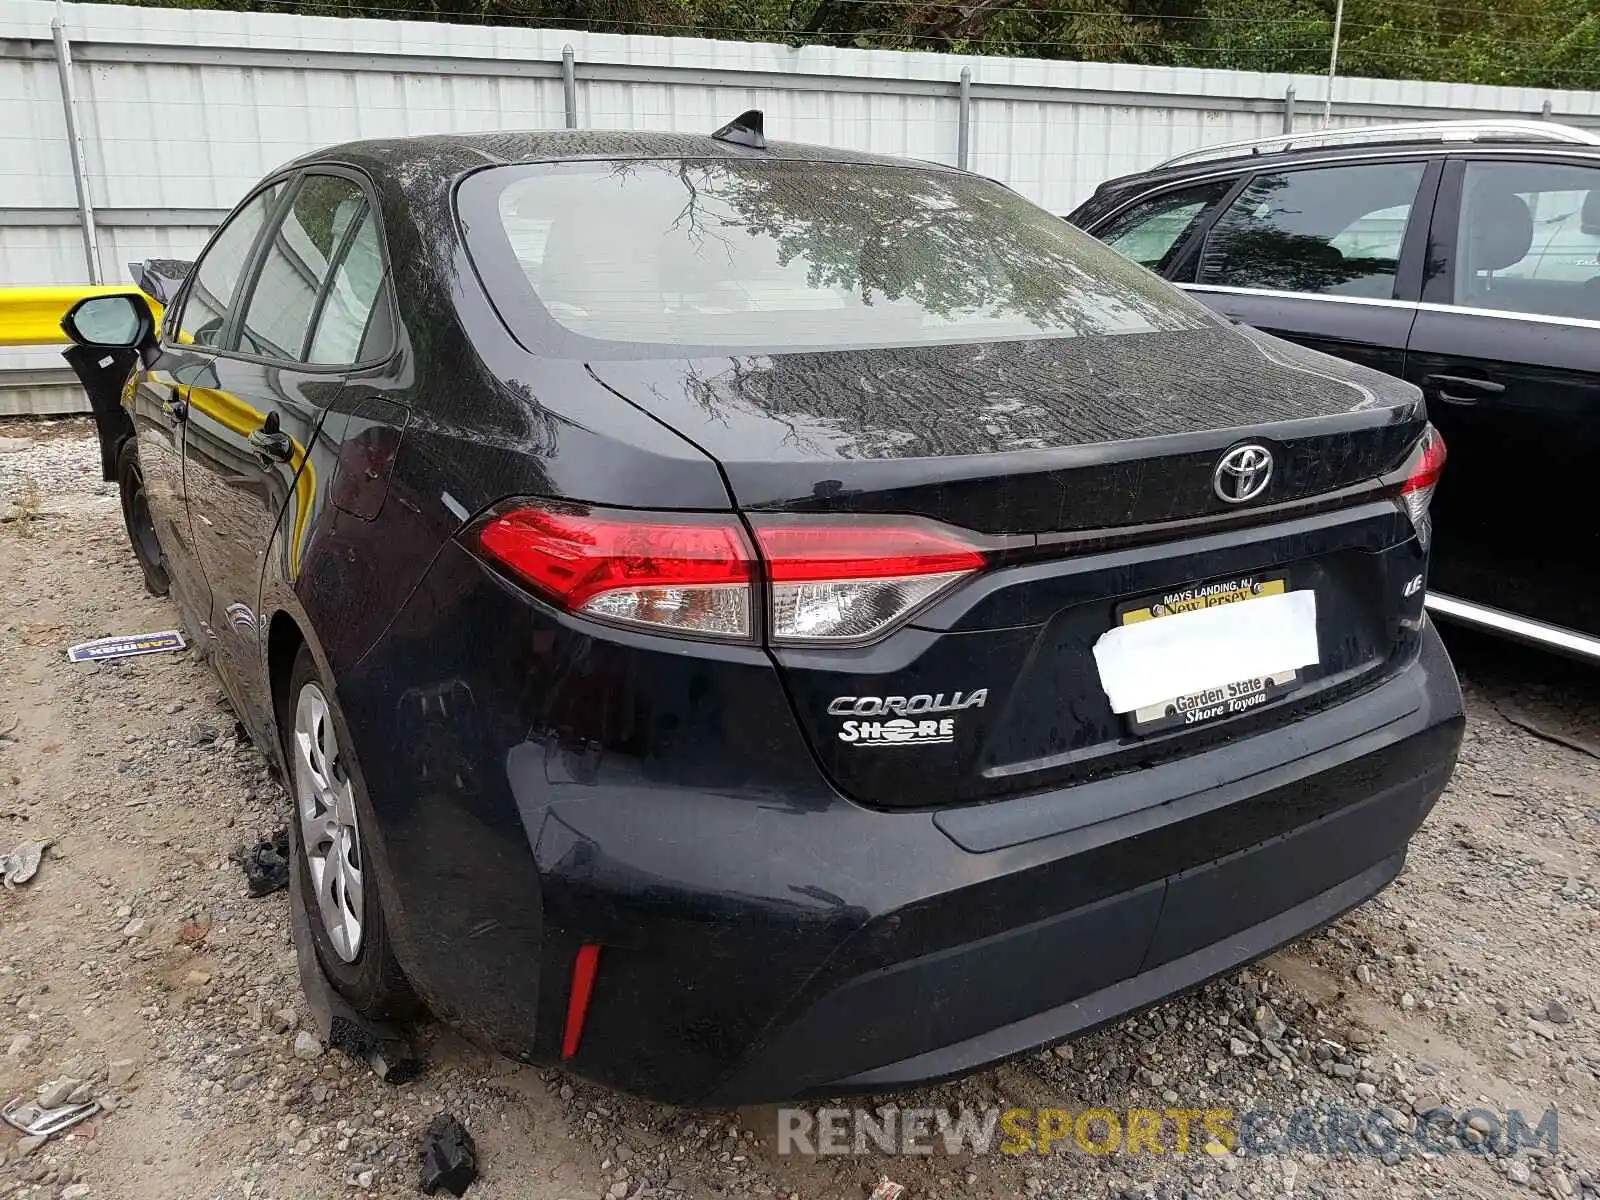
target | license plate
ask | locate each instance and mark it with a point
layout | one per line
(1269, 652)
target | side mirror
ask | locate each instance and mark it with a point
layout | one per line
(110, 322)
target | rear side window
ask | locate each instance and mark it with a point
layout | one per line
(1332, 231)
(1529, 239)
(780, 254)
(346, 330)
(298, 262)
(1153, 230)
(216, 277)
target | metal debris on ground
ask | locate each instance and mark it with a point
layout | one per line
(888, 1189)
(266, 865)
(126, 645)
(22, 863)
(449, 1158)
(35, 1120)
(391, 1056)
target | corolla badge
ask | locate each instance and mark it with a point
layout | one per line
(1242, 474)
(906, 706)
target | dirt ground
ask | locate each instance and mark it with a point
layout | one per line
(135, 963)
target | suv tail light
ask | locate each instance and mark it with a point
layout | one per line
(830, 579)
(1422, 476)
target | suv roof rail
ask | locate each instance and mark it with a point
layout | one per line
(1422, 131)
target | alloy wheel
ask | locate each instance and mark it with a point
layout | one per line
(329, 829)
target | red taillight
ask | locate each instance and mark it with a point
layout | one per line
(1429, 464)
(807, 550)
(690, 574)
(832, 579)
(845, 579)
(1422, 476)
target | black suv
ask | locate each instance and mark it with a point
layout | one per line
(1462, 256)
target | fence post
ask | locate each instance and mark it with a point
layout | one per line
(569, 84)
(964, 119)
(80, 173)
(1288, 109)
(1333, 65)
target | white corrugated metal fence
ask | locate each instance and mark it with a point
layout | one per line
(180, 111)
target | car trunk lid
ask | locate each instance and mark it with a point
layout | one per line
(1029, 436)
(1086, 469)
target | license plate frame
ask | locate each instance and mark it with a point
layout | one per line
(1229, 699)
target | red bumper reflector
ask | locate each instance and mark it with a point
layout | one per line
(583, 969)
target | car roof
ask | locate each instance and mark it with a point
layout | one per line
(501, 147)
(1250, 159)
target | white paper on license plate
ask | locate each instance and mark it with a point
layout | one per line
(1150, 662)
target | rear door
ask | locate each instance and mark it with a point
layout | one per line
(286, 356)
(1504, 347)
(1328, 256)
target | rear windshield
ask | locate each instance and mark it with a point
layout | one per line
(786, 254)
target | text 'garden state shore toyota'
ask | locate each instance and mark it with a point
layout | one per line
(752, 620)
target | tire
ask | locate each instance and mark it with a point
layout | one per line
(136, 517)
(348, 928)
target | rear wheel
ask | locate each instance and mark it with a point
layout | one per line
(348, 928)
(136, 516)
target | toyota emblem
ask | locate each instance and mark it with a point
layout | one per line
(1243, 473)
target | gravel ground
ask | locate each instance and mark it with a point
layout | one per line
(135, 964)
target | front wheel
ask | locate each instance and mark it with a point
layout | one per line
(136, 516)
(348, 928)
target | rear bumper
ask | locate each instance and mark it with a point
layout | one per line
(1150, 986)
(953, 958)
(764, 938)
(942, 1014)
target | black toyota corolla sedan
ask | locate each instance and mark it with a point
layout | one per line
(753, 621)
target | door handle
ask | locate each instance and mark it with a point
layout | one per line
(270, 443)
(1463, 389)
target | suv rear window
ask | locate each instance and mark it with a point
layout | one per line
(785, 254)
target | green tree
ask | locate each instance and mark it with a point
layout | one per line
(1528, 43)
